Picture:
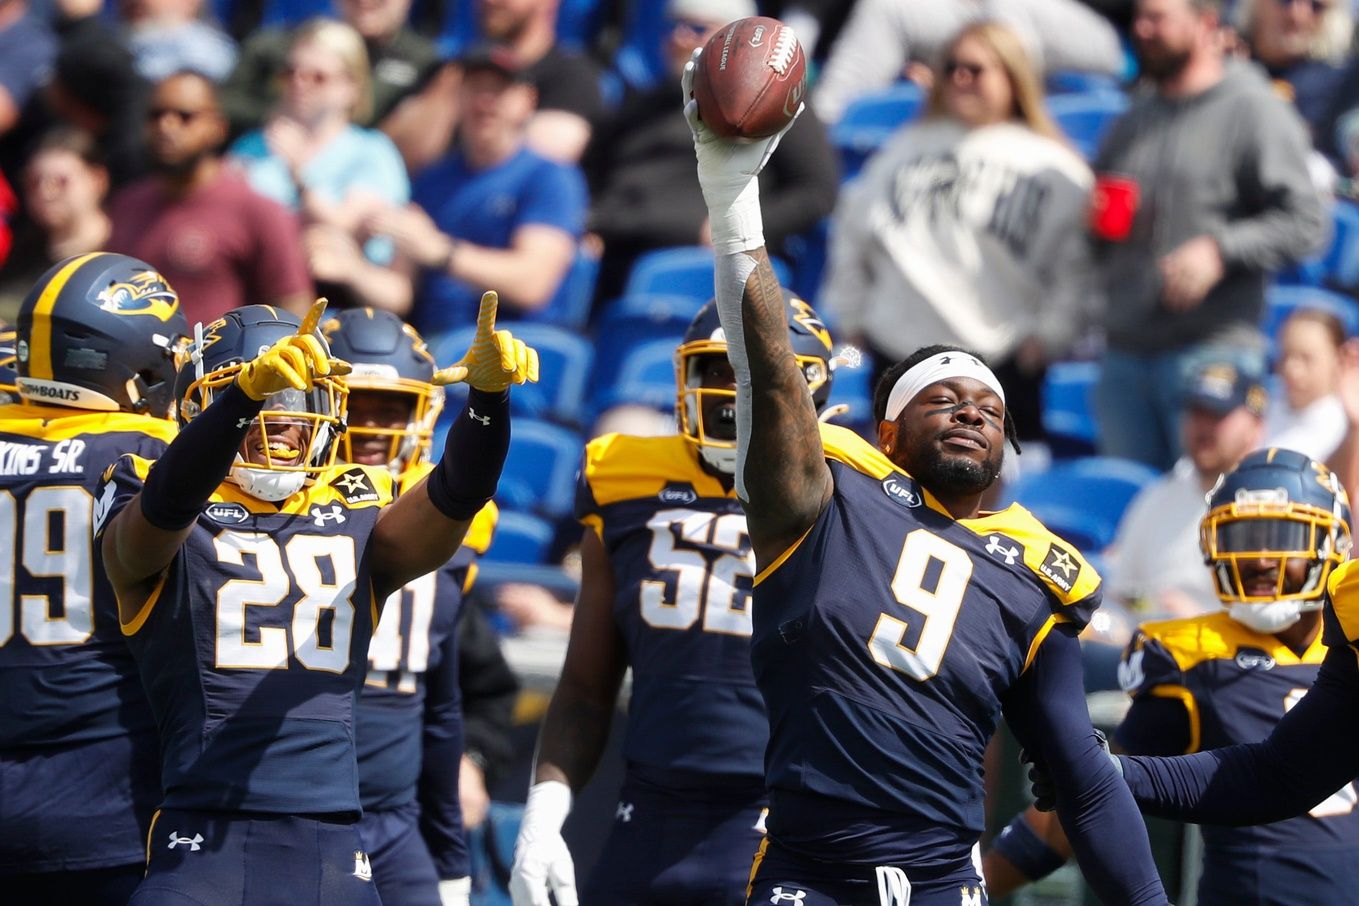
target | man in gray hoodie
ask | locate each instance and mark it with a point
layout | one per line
(1202, 191)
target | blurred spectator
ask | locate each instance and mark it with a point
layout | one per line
(884, 37)
(1202, 191)
(168, 36)
(1301, 44)
(1155, 566)
(641, 166)
(400, 61)
(569, 100)
(64, 186)
(311, 157)
(492, 214)
(1310, 418)
(527, 605)
(27, 50)
(9, 207)
(489, 691)
(967, 227)
(206, 230)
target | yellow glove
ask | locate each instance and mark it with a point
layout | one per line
(496, 359)
(293, 362)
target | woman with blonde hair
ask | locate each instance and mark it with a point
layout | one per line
(966, 228)
(311, 156)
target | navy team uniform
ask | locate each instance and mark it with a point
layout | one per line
(410, 732)
(885, 675)
(690, 812)
(79, 758)
(252, 649)
(1207, 682)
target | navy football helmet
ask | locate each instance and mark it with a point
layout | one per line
(1277, 504)
(211, 364)
(101, 331)
(811, 343)
(387, 355)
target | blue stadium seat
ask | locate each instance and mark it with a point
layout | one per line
(852, 388)
(1086, 117)
(540, 470)
(570, 307)
(520, 538)
(564, 363)
(807, 253)
(1281, 301)
(870, 120)
(645, 375)
(1068, 417)
(682, 271)
(1068, 81)
(1340, 263)
(639, 59)
(1082, 500)
(291, 12)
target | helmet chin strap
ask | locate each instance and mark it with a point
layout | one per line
(723, 459)
(266, 484)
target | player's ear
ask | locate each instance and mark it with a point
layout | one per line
(887, 436)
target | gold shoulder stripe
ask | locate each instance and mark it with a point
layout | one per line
(1058, 564)
(1191, 709)
(783, 557)
(53, 423)
(621, 467)
(844, 446)
(1216, 636)
(411, 477)
(1343, 588)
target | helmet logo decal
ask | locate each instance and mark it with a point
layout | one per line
(809, 322)
(145, 294)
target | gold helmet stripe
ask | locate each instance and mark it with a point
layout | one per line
(40, 331)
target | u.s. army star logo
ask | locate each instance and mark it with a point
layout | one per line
(1061, 567)
(355, 487)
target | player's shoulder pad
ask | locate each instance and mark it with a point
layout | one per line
(355, 486)
(1343, 590)
(843, 445)
(127, 468)
(623, 467)
(1162, 651)
(1059, 566)
(52, 424)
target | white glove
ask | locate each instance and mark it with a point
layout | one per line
(541, 859)
(727, 173)
(457, 892)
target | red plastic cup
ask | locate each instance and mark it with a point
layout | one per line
(1113, 205)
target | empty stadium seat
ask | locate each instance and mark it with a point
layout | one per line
(1068, 416)
(1085, 118)
(1281, 301)
(682, 271)
(564, 363)
(520, 538)
(870, 120)
(540, 470)
(645, 375)
(570, 307)
(1340, 263)
(1082, 500)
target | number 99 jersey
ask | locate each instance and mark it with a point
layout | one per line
(682, 567)
(255, 642)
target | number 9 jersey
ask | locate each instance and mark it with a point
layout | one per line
(255, 641)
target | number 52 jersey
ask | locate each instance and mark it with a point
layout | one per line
(255, 642)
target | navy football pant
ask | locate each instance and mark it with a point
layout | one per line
(1255, 877)
(780, 878)
(226, 859)
(402, 868)
(94, 887)
(675, 849)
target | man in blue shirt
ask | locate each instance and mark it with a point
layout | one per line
(490, 210)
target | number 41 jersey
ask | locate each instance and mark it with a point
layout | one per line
(254, 644)
(885, 642)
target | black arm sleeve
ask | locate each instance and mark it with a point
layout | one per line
(1312, 753)
(489, 690)
(1046, 710)
(1155, 726)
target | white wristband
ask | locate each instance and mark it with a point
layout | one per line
(738, 226)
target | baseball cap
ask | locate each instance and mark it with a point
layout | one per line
(1221, 387)
(496, 58)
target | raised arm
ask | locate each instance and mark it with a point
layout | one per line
(781, 473)
(424, 527)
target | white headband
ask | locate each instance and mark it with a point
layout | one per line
(938, 368)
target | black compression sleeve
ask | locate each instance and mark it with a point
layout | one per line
(1311, 754)
(1046, 709)
(197, 461)
(468, 472)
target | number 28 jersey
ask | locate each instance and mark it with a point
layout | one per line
(254, 643)
(885, 642)
(682, 568)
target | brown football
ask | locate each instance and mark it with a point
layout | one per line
(750, 78)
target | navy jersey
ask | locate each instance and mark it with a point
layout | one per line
(1234, 684)
(682, 568)
(65, 673)
(254, 643)
(885, 642)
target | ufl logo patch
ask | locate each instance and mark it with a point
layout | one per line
(1061, 567)
(902, 491)
(1254, 659)
(227, 513)
(677, 494)
(355, 487)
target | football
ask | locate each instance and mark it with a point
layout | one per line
(750, 78)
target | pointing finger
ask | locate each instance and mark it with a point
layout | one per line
(490, 301)
(313, 318)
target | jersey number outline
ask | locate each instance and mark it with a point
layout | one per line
(1343, 800)
(72, 562)
(385, 648)
(937, 607)
(702, 584)
(303, 554)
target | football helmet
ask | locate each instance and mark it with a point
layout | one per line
(1276, 505)
(295, 431)
(9, 390)
(811, 343)
(387, 355)
(101, 331)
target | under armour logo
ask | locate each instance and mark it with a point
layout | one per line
(321, 517)
(894, 889)
(243, 422)
(623, 812)
(948, 358)
(363, 870)
(472, 414)
(191, 842)
(792, 896)
(996, 549)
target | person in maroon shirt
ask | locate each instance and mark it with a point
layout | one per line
(219, 243)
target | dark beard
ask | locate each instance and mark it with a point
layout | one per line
(1160, 64)
(953, 476)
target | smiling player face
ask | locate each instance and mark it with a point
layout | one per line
(381, 410)
(276, 438)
